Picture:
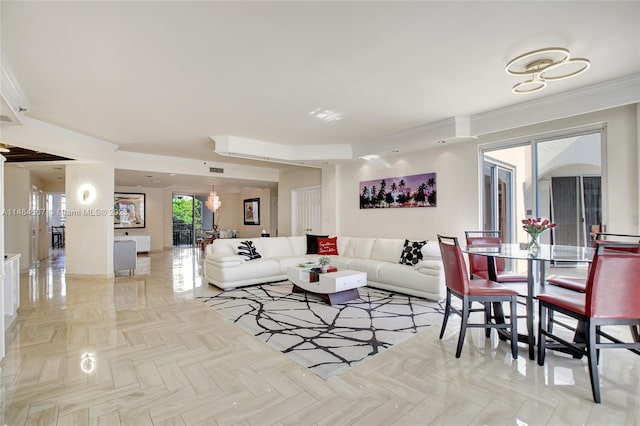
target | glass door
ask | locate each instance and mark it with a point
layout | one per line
(570, 186)
(187, 218)
(498, 193)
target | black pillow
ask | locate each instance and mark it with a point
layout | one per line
(312, 243)
(248, 250)
(412, 252)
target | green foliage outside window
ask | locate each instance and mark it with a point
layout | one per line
(183, 208)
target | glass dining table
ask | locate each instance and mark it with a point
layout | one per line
(536, 265)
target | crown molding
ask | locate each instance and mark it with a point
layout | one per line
(598, 97)
(127, 160)
(429, 135)
(253, 149)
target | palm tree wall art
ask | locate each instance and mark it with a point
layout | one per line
(405, 191)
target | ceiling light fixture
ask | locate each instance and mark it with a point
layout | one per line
(369, 157)
(542, 65)
(213, 203)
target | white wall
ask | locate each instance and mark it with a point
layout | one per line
(89, 231)
(251, 231)
(17, 227)
(154, 216)
(296, 179)
(230, 214)
(456, 169)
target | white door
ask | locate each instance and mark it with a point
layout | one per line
(306, 211)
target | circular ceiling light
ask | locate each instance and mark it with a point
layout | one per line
(529, 86)
(542, 65)
(536, 61)
(566, 69)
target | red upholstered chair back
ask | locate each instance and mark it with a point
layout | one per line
(479, 263)
(613, 286)
(603, 237)
(455, 268)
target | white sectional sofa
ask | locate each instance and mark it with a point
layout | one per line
(378, 257)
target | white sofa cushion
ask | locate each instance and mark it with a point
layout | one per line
(359, 247)
(371, 267)
(406, 277)
(387, 249)
(251, 270)
(223, 246)
(276, 247)
(298, 245)
(342, 245)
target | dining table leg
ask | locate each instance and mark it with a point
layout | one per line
(530, 308)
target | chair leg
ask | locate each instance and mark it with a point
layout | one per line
(593, 360)
(487, 319)
(499, 317)
(542, 325)
(447, 311)
(463, 326)
(514, 328)
(598, 340)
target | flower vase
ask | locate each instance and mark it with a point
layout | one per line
(534, 244)
(324, 268)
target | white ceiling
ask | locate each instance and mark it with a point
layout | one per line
(164, 77)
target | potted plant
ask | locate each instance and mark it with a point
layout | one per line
(324, 263)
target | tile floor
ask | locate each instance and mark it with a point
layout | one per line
(141, 351)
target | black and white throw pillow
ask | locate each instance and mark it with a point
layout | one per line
(411, 253)
(248, 250)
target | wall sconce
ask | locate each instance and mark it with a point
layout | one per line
(86, 193)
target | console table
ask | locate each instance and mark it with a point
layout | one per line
(143, 242)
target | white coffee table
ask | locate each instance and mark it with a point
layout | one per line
(334, 287)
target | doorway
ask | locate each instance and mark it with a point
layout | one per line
(498, 195)
(187, 219)
(306, 210)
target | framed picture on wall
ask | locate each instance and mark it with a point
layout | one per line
(128, 209)
(252, 211)
(399, 192)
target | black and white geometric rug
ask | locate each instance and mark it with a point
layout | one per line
(323, 338)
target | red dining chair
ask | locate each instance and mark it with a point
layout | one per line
(469, 291)
(479, 266)
(578, 283)
(612, 297)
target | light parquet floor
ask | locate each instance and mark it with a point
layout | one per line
(142, 351)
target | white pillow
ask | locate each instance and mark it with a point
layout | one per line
(387, 249)
(359, 248)
(431, 250)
